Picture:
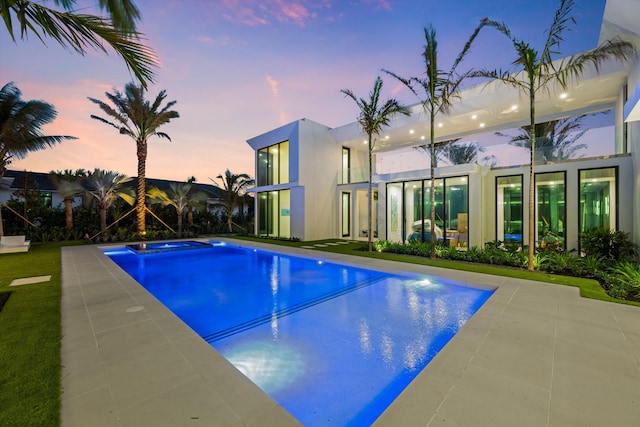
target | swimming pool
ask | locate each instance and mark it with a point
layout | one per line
(333, 344)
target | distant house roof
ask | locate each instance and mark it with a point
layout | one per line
(15, 180)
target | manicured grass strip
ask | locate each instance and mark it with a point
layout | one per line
(30, 335)
(589, 288)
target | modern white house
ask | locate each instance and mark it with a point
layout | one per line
(311, 180)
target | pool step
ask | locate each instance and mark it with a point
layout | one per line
(289, 310)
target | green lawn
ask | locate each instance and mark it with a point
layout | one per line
(30, 334)
(30, 329)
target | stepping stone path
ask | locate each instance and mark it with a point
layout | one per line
(30, 280)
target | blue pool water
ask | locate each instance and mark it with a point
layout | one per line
(333, 344)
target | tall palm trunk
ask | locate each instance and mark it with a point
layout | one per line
(432, 226)
(103, 218)
(230, 220)
(532, 185)
(2, 170)
(180, 224)
(141, 196)
(370, 198)
(68, 211)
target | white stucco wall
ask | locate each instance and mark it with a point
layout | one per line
(320, 161)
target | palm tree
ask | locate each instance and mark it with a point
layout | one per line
(232, 188)
(21, 125)
(438, 150)
(460, 154)
(539, 71)
(138, 119)
(372, 119)
(190, 180)
(180, 196)
(77, 31)
(106, 187)
(69, 184)
(555, 139)
(439, 89)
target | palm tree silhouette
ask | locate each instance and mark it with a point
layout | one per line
(137, 118)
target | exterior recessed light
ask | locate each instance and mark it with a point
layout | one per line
(481, 125)
(439, 125)
(564, 95)
(386, 137)
(514, 107)
(422, 137)
(475, 116)
(364, 142)
(411, 131)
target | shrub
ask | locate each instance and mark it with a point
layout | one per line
(628, 278)
(608, 245)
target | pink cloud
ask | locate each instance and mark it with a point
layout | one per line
(273, 84)
(254, 13)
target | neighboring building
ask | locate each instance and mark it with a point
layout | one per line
(15, 181)
(311, 180)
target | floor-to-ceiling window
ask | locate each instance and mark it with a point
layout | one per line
(346, 214)
(409, 210)
(346, 165)
(457, 211)
(598, 201)
(509, 208)
(439, 208)
(550, 208)
(413, 205)
(394, 212)
(273, 164)
(362, 213)
(274, 215)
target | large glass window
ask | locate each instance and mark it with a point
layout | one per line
(362, 213)
(46, 199)
(598, 199)
(551, 210)
(413, 205)
(274, 214)
(346, 165)
(394, 212)
(439, 209)
(346, 214)
(409, 210)
(509, 208)
(273, 164)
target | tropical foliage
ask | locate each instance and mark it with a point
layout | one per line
(537, 72)
(232, 190)
(78, 31)
(137, 118)
(372, 118)
(556, 140)
(436, 91)
(463, 153)
(180, 196)
(21, 125)
(107, 187)
(68, 184)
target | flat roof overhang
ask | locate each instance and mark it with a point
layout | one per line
(495, 106)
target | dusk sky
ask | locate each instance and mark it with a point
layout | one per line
(239, 68)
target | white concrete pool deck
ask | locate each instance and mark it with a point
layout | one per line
(535, 354)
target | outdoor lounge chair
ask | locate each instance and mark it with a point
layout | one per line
(10, 244)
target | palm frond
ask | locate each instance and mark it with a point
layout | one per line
(80, 32)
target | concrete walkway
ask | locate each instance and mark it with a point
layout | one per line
(533, 355)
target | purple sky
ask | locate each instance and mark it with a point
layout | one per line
(239, 68)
